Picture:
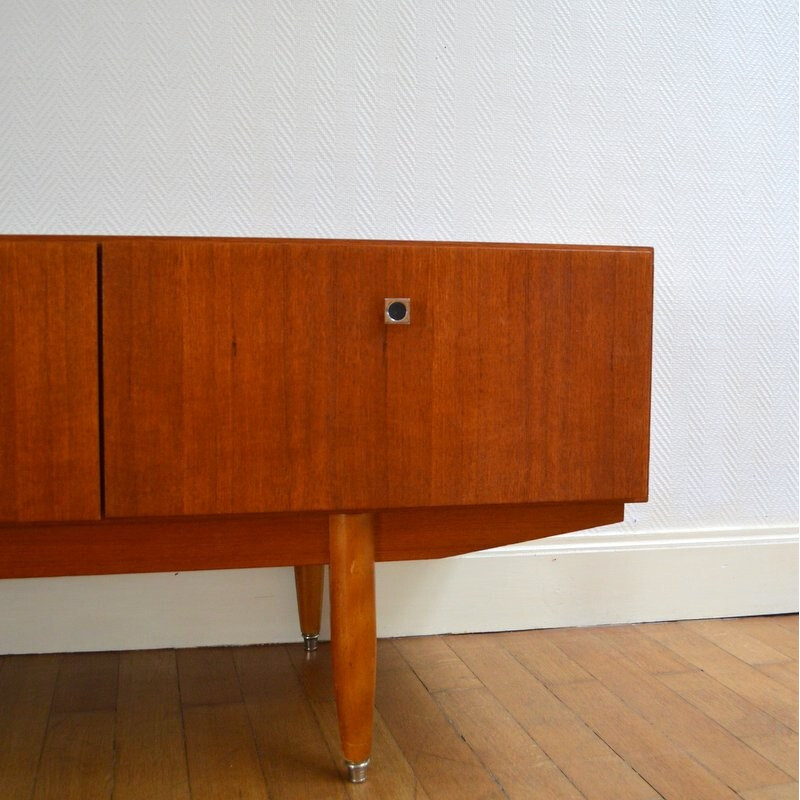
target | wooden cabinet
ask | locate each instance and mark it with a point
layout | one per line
(49, 442)
(173, 404)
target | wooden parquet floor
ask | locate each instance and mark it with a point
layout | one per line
(694, 710)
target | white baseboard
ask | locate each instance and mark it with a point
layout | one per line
(585, 578)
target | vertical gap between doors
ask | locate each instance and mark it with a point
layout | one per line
(100, 428)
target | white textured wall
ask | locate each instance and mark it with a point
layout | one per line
(671, 124)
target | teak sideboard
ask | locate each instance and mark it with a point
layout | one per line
(177, 404)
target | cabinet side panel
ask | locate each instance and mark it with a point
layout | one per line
(633, 341)
(49, 441)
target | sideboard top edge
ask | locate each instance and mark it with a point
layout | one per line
(309, 241)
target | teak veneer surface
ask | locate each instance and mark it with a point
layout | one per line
(259, 376)
(276, 540)
(188, 403)
(49, 441)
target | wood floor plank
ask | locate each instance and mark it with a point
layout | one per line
(221, 753)
(733, 712)
(645, 653)
(786, 674)
(764, 692)
(435, 664)
(27, 684)
(295, 758)
(672, 772)
(787, 792)
(441, 759)
(78, 752)
(732, 636)
(772, 632)
(726, 756)
(701, 709)
(390, 774)
(780, 749)
(149, 745)
(78, 757)
(509, 681)
(788, 621)
(589, 763)
(207, 676)
(86, 682)
(518, 764)
(542, 658)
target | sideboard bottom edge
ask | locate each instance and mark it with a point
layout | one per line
(179, 545)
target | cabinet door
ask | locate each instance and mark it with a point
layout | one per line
(49, 416)
(246, 376)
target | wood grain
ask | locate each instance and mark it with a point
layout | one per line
(443, 762)
(403, 534)
(724, 755)
(77, 759)
(645, 653)
(786, 792)
(741, 717)
(435, 664)
(86, 682)
(780, 748)
(784, 673)
(49, 442)
(129, 546)
(261, 721)
(150, 755)
(506, 750)
(581, 754)
(734, 639)
(518, 764)
(544, 660)
(788, 621)
(353, 643)
(221, 753)
(208, 676)
(524, 374)
(673, 773)
(762, 691)
(26, 693)
(309, 582)
(214, 712)
(294, 757)
(168, 545)
(772, 632)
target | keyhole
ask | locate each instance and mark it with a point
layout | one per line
(397, 310)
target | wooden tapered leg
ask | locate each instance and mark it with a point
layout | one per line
(353, 644)
(308, 582)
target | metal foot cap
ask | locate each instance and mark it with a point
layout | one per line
(357, 771)
(310, 641)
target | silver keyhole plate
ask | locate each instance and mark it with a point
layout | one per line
(391, 306)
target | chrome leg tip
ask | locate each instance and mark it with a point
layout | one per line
(357, 771)
(310, 641)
